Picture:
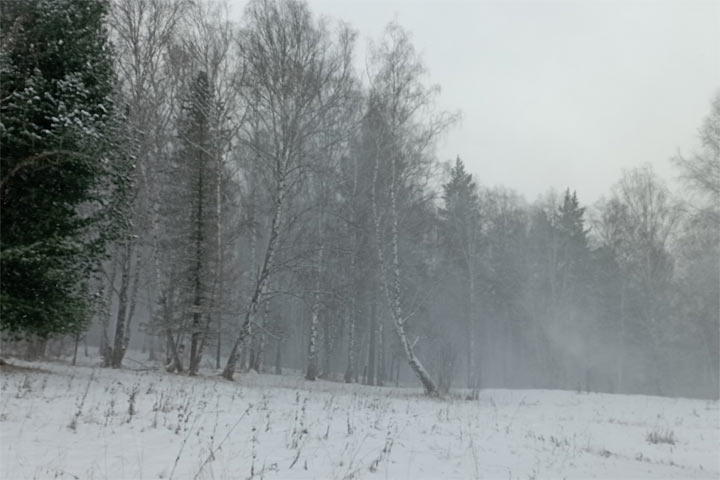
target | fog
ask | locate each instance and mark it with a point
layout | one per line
(450, 196)
(569, 93)
(359, 239)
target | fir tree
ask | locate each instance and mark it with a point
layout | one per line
(200, 166)
(570, 224)
(461, 213)
(461, 228)
(60, 171)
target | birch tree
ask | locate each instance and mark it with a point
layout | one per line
(296, 77)
(142, 32)
(404, 136)
(649, 219)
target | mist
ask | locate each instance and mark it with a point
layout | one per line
(318, 219)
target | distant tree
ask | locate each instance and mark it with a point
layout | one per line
(461, 230)
(505, 281)
(572, 251)
(698, 249)
(611, 228)
(701, 171)
(650, 218)
(571, 275)
(698, 258)
(64, 175)
(360, 264)
(571, 222)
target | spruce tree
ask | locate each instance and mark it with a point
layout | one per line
(461, 213)
(461, 230)
(189, 212)
(200, 164)
(61, 174)
(570, 224)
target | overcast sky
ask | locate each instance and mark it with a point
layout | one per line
(559, 93)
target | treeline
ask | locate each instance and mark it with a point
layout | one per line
(241, 196)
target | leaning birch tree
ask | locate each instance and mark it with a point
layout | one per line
(405, 127)
(296, 77)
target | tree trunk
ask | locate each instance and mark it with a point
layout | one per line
(278, 357)
(259, 337)
(473, 374)
(105, 348)
(392, 288)
(120, 343)
(248, 349)
(351, 314)
(176, 364)
(198, 271)
(36, 348)
(219, 295)
(312, 367)
(132, 300)
(397, 375)
(204, 333)
(261, 286)
(75, 348)
(381, 357)
(619, 387)
(327, 347)
(173, 359)
(218, 346)
(370, 379)
(151, 353)
(312, 363)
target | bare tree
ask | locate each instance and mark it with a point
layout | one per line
(701, 171)
(141, 32)
(296, 77)
(651, 217)
(403, 144)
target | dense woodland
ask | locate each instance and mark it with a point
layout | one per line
(232, 194)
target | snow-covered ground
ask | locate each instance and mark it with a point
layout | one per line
(58, 421)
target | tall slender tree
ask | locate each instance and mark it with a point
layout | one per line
(297, 82)
(403, 144)
(461, 230)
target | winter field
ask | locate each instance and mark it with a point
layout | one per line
(58, 421)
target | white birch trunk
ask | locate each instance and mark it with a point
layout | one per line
(262, 282)
(312, 368)
(393, 287)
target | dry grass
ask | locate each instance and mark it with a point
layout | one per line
(661, 436)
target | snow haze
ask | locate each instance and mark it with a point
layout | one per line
(560, 93)
(275, 239)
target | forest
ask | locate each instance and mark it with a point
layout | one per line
(226, 193)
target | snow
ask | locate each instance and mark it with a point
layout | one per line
(58, 421)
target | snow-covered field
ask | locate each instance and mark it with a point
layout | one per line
(89, 423)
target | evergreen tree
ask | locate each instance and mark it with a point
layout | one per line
(461, 229)
(461, 213)
(201, 167)
(574, 249)
(61, 174)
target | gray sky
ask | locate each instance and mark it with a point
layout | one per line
(560, 93)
